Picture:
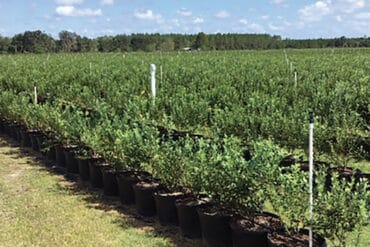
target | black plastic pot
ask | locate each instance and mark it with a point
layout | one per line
(215, 225)
(13, 130)
(59, 155)
(109, 181)
(144, 197)
(346, 173)
(2, 121)
(188, 216)
(96, 176)
(253, 231)
(125, 182)
(166, 207)
(70, 160)
(25, 138)
(33, 139)
(300, 239)
(39, 142)
(51, 153)
(83, 169)
(18, 135)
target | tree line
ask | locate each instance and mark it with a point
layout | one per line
(40, 42)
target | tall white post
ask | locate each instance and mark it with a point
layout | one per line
(291, 67)
(310, 150)
(152, 73)
(90, 68)
(35, 94)
(161, 74)
(295, 78)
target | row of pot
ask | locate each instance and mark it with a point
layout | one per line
(344, 172)
(195, 215)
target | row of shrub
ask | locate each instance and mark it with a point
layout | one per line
(215, 167)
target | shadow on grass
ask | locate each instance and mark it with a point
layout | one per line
(94, 198)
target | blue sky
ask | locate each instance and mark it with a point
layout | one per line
(92, 18)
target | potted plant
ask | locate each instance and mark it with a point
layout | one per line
(289, 198)
(141, 143)
(192, 155)
(169, 168)
(251, 226)
(222, 168)
(342, 208)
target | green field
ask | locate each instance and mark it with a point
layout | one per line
(237, 102)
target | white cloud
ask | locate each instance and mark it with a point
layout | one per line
(222, 14)
(319, 9)
(265, 17)
(243, 21)
(349, 6)
(184, 12)
(198, 20)
(68, 2)
(107, 2)
(278, 2)
(76, 12)
(273, 27)
(316, 11)
(363, 16)
(255, 27)
(147, 15)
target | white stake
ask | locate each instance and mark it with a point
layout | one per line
(35, 94)
(152, 73)
(161, 74)
(310, 150)
(291, 67)
(90, 68)
(295, 78)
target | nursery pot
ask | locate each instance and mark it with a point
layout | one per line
(166, 208)
(109, 181)
(253, 231)
(16, 131)
(40, 139)
(59, 155)
(2, 124)
(215, 225)
(83, 168)
(96, 176)
(188, 217)
(70, 160)
(299, 239)
(33, 138)
(51, 153)
(25, 138)
(345, 173)
(125, 182)
(144, 197)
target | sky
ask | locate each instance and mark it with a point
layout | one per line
(297, 19)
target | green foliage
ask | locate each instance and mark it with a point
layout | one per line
(104, 102)
(341, 209)
(289, 198)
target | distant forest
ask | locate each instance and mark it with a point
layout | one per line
(40, 42)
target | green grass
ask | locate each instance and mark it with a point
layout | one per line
(39, 208)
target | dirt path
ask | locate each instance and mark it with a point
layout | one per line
(39, 207)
